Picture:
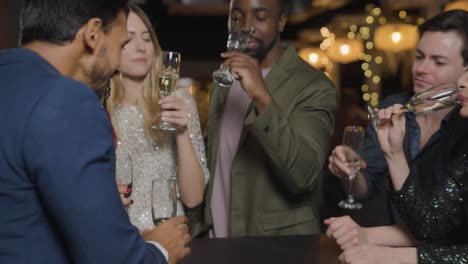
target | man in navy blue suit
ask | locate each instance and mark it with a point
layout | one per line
(58, 198)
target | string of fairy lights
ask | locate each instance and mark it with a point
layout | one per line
(375, 15)
(360, 44)
(371, 56)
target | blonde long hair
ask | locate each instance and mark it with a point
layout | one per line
(147, 101)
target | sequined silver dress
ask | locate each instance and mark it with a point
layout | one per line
(437, 217)
(153, 160)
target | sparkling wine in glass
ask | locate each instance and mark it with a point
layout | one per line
(427, 101)
(237, 40)
(163, 199)
(124, 171)
(167, 80)
(353, 137)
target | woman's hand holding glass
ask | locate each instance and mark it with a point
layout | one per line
(392, 129)
(391, 133)
(175, 112)
(433, 99)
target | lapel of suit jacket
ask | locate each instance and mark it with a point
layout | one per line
(219, 95)
(218, 102)
(274, 79)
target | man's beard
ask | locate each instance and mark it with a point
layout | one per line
(262, 51)
(101, 71)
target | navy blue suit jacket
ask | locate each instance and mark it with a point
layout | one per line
(58, 198)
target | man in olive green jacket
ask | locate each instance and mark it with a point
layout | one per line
(268, 184)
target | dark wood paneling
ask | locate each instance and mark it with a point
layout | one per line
(6, 27)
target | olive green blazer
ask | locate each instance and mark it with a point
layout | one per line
(281, 152)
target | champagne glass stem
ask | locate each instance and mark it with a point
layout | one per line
(350, 202)
(350, 198)
(173, 195)
(374, 118)
(174, 208)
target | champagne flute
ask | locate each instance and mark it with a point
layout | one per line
(124, 171)
(427, 101)
(237, 40)
(163, 199)
(167, 80)
(353, 137)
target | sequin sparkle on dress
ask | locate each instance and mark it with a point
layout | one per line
(153, 160)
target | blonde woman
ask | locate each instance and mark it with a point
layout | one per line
(133, 105)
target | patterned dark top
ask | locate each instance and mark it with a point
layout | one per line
(437, 215)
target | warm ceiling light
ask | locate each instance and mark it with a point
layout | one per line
(396, 37)
(463, 5)
(314, 56)
(345, 50)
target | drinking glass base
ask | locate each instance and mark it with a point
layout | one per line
(349, 204)
(223, 78)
